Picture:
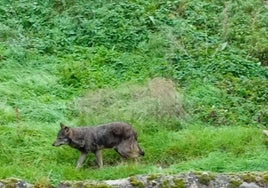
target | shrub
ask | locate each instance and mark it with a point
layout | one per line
(158, 102)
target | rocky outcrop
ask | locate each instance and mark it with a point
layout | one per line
(187, 180)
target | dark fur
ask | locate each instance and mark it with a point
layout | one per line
(120, 136)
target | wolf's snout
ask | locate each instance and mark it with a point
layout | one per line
(55, 144)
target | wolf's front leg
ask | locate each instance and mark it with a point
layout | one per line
(81, 159)
(99, 158)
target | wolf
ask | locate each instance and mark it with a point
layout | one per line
(117, 135)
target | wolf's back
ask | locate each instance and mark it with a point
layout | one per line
(120, 129)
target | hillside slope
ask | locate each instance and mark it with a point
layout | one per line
(191, 76)
(51, 51)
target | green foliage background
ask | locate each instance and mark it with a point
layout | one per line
(90, 62)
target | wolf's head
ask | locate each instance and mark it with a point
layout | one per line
(63, 137)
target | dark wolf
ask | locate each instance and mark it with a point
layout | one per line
(119, 136)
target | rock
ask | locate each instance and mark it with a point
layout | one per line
(186, 180)
(118, 183)
(20, 184)
(14, 182)
(194, 185)
(248, 185)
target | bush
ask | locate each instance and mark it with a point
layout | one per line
(159, 103)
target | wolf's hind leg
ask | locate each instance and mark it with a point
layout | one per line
(81, 159)
(99, 158)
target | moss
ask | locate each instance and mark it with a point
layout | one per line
(103, 186)
(86, 184)
(136, 183)
(264, 178)
(152, 177)
(165, 184)
(205, 178)
(10, 182)
(76, 184)
(248, 177)
(95, 185)
(99, 185)
(179, 183)
(235, 183)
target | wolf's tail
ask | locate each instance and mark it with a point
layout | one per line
(141, 152)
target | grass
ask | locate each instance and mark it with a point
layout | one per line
(190, 76)
(27, 153)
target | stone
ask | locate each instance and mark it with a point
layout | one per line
(248, 185)
(187, 180)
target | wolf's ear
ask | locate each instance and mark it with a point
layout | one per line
(65, 128)
(62, 126)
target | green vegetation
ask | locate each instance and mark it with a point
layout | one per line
(191, 76)
(136, 183)
(205, 178)
(235, 183)
(180, 183)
